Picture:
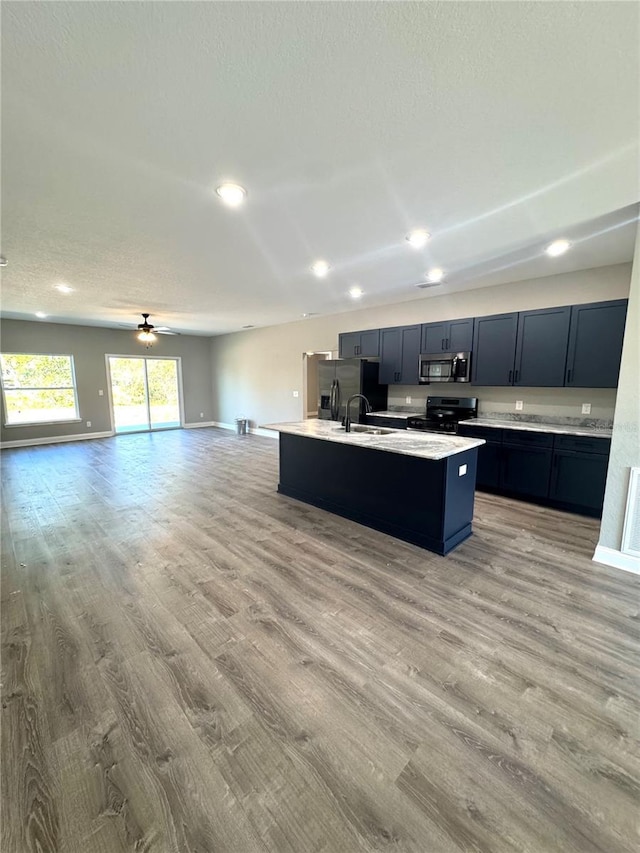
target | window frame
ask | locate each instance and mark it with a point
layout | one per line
(73, 388)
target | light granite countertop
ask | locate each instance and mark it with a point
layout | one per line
(398, 415)
(422, 444)
(536, 426)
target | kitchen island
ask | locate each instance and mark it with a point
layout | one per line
(415, 486)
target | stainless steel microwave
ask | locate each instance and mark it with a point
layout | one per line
(441, 367)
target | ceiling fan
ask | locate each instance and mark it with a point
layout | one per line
(147, 331)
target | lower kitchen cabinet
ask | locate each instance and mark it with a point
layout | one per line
(564, 471)
(579, 478)
(525, 470)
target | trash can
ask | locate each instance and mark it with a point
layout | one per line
(242, 426)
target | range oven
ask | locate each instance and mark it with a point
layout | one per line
(444, 413)
(444, 367)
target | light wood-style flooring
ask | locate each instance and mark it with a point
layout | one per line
(192, 662)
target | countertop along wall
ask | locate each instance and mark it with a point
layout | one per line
(255, 372)
(89, 345)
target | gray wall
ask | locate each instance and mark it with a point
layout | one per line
(256, 372)
(89, 345)
(625, 445)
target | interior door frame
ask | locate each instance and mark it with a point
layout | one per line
(176, 358)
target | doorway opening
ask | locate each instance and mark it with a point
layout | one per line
(311, 392)
(145, 393)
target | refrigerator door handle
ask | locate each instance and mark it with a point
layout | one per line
(338, 401)
(332, 400)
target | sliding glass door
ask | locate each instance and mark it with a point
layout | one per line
(144, 393)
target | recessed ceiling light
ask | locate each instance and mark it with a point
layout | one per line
(63, 288)
(418, 238)
(41, 315)
(248, 327)
(231, 194)
(320, 268)
(558, 247)
(355, 292)
(309, 314)
(3, 261)
(435, 274)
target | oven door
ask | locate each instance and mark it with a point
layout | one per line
(435, 370)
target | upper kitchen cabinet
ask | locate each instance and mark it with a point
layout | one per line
(595, 344)
(360, 344)
(449, 336)
(541, 348)
(399, 355)
(494, 348)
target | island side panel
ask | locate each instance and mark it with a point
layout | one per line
(460, 489)
(398, 494)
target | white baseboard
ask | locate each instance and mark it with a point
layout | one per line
(267, 433)
(54, 439)
(616, 559)
(198, 424)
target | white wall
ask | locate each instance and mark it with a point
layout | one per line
(625, 444)
(255, 372)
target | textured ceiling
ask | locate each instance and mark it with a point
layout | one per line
(495, 125)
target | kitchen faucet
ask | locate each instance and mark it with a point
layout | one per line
(347, 419)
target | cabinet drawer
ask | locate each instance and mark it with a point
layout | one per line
(583, 443)
(522, 438)
(490, 434)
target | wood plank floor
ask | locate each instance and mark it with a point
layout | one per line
(192, 662)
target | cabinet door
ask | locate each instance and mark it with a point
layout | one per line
(595, 344)
(369, 344)
(494, 349)
(526, 470)
(434, 336)
(348, 343)
(541, 350)
(579, 478)
(409, 355)
(390, 345)
(460, 336)
(488, 475)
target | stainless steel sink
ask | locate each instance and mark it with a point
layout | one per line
(371, 430)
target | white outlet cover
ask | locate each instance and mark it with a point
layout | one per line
(296, 394)
(88, 423)
(462, 470)
(519, 405)
(586, 408)
(100, 393)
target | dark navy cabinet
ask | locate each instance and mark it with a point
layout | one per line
(494, 348)
(448, 336)
(579, 478)
(359, 344)
(399, 355)
(541, 348)
(525, 469)
(564, 471)
(595, 344)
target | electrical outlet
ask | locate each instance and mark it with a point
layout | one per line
(296, 394)
(407, 400)
(462, 470)
(519, 405)
(586, 408)
(100, 393)
(201, 414)
(89, 423)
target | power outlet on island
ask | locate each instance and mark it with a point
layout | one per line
(407, 400)
(519, 405)
(586, 408)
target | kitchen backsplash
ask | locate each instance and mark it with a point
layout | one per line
(552, 404)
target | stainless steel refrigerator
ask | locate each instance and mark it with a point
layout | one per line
(339, 379)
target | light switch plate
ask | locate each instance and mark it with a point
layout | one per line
(100, 393)
(586, 408)
(519, 405)
(407, 400)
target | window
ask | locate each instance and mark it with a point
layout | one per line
(38, 388)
